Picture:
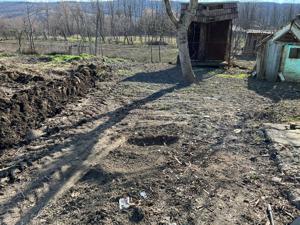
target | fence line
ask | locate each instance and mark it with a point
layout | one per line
(145, 53)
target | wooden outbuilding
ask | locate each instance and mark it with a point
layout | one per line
(278, 56)
(210, 33)
(253, 39)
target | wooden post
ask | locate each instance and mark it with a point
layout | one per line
(159, 55)
(151, 53)
(229, 40)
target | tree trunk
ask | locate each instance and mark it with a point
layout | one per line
(184, 56)
(97, 34)
(20, 42)
(182, 27)
(98, 22)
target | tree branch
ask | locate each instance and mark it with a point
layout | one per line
(189, 13)
(193, 4)
(170, 13)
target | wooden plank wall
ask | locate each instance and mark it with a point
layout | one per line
(214, 12)
(272, 61)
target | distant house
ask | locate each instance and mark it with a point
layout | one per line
(210, 32)
(253, 39)
(278, 55)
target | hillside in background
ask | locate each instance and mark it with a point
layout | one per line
(263, 15)
(13, 9)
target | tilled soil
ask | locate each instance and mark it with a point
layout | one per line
(183, 154)
(32, 99)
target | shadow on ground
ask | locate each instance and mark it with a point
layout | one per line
(170, 76)
(91, 139)
(275, 91)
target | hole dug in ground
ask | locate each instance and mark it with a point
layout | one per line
(153, 140)
(98, 175)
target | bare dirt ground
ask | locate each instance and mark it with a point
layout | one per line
(198, 152)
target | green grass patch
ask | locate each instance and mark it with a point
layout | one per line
(69, 58)
(125, 72)
(234, 76)
(114, 60)
(254, 176)
(293, 118)
(75, 38)
(164, 107)
(4, 55)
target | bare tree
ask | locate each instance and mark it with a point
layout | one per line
(97, 27)
(65, 24)
(17, 27)
(111, 5)
(29, 26)
(5, 29)
(182, 26)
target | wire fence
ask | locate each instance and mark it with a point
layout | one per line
(141, 53)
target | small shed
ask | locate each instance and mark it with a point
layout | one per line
(278, 56)
(253, 39)
(210, 32)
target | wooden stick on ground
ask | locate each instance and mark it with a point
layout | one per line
(270, 214)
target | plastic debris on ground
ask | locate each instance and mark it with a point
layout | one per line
(124, 203)
(143, 194)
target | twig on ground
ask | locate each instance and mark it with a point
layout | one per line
(177, 160)
(270, 214)
(289, 214)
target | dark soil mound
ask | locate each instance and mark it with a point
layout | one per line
(18, 77)
(28, 108)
